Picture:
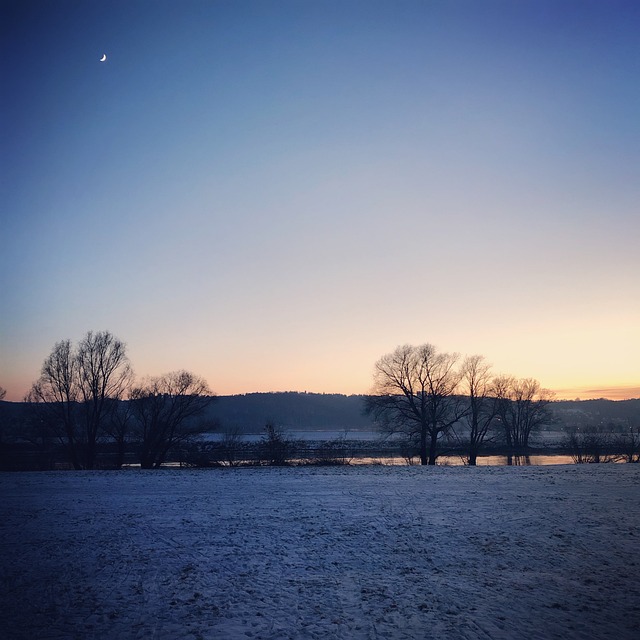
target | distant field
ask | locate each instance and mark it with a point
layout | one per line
(352, 552)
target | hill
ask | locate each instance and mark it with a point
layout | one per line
(612, 414)
(291, 410)
(302, 411)
(336, 412)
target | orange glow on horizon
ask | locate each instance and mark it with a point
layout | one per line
(613, 392)
(620, 392)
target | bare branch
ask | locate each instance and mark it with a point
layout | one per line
(414, 394)
(166, 408)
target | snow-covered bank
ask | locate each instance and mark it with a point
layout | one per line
(354, 552)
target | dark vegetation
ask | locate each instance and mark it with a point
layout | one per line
(86, 411)
(427, 399)
(590, 431)
(291, 410)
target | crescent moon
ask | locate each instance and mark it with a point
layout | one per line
(104, 57)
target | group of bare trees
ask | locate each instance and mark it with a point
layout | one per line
(86, 395)
(414, 394)
(597, 444)
(73, 393)
(427, 396)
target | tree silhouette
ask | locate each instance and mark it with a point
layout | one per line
(414, 394)
(72, 396)
(522, 406)
(482, 406)
(166, 409)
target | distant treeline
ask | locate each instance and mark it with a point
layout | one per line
(596, 413)
(291, 411)
(317, 411)
(595, 430)
(88, 410)
(298, 411)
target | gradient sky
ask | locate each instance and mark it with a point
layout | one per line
(274, 194)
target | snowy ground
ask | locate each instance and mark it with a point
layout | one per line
(356, 552)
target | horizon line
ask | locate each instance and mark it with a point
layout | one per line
(618, 392)
(583, 393)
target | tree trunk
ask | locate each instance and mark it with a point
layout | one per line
(507, 437)
(433, 445)
(423, 447)
(146, 460)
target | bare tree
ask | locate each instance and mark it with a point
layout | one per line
(3, 427)
(414, 394)
(480, 418)
(593, 444)
(104, 374)
(275, 448)
(54, 398)
(629, 445)
(522, 408)
(73, 393)
(231, 445)
(166, 409)
(118, 426)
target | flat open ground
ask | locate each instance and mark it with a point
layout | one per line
(355, 552)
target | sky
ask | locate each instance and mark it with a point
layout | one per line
(275, 194)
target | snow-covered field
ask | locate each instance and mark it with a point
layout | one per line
(354, 552)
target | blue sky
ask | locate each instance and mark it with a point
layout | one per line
(275, 194)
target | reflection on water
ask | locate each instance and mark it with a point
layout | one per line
(525, 461)
(483, 461)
